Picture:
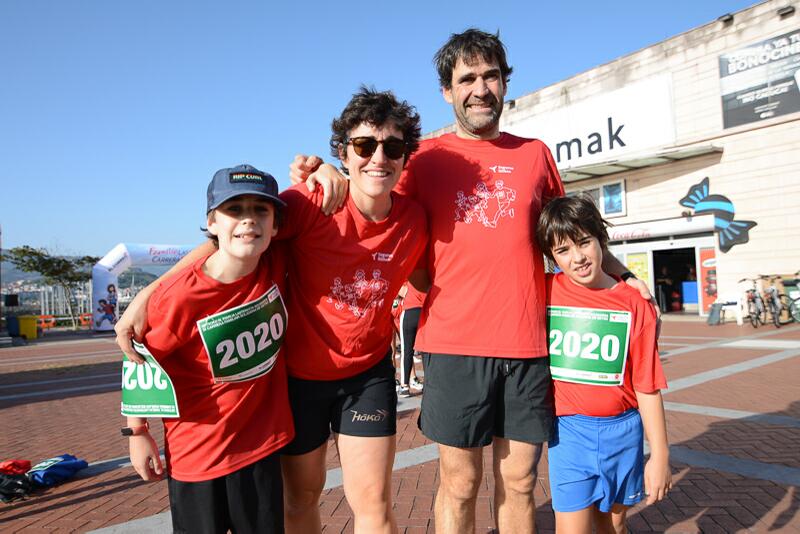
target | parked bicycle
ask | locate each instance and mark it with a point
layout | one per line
(794, 304)
(775, 301)
(756, 309)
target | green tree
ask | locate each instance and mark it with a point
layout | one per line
(69, 273)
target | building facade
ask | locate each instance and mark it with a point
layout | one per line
(691, 148)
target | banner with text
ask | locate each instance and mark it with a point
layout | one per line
(761, 81)
(634, 119)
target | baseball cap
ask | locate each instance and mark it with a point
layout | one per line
(241, 180)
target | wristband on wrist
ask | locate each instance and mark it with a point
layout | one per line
(135, 430)
(626, 275)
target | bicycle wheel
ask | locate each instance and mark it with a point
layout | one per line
(794, 310)
(786, 302)
(775, 312)
(752, 313)
(762, 310)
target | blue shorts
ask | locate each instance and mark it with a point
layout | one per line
(596, 461)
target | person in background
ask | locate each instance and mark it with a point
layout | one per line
(411, 301)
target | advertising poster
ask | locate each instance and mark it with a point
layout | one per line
(708, 279)
(638, 265)
(761, 81)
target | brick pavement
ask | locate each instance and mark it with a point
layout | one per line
(59, 416)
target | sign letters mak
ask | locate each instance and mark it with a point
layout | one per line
(592, 144)
(636, 118)
(587, 345)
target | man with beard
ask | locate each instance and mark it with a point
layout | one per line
(482, 330)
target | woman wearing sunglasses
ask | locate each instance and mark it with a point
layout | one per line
(344, 271)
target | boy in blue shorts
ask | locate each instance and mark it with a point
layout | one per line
(607, 378)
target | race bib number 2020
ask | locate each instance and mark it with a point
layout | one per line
(242, 343)
(587, 345)
(147, 390)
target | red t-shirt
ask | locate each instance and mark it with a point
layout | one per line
(483, 199)
(413, 298)
(223, 427)
(344, 273)
(643, 370)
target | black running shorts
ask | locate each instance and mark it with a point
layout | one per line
(362, 405)
(246, 501)
(469, 400)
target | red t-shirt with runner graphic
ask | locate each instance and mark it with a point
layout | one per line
(483, 199)
(225, 426)
(344, 272)
(643, 370)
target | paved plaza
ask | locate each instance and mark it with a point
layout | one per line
(733, 415)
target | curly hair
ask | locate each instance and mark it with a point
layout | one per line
(376, 108)
(470, 45)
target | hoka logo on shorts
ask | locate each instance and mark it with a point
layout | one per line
(361, 295)
(484, 205)
(376, 417)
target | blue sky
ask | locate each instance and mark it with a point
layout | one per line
(114, 115)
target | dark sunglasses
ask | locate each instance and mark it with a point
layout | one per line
(365, 147)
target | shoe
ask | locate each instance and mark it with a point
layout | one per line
(397, 385)
(416, 384)
(404, 392)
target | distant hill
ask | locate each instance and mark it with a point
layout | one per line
(140, 276)
(9, 273)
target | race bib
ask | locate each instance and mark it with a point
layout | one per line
(243, 343)
(588, 346)
(147, 390)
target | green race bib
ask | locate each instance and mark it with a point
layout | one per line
(588, 346)
(147, 390)
(243, 343)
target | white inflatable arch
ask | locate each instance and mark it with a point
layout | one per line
(105, 275)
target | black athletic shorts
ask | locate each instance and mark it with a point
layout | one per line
(249, 500)
(469, 400)
(362, 405)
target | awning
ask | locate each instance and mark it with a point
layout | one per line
(573, 174)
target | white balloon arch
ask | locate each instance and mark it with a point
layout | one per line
(105, 275)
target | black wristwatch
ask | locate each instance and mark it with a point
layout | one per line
(626, 275)
(129, 431)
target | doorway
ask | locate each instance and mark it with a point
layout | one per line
(675, 277)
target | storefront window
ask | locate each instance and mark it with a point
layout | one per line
(612, 199)
(609, 198)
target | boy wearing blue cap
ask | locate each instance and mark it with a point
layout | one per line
(216, 328)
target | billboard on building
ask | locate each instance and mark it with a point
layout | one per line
(634, 119)
(761, 80)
